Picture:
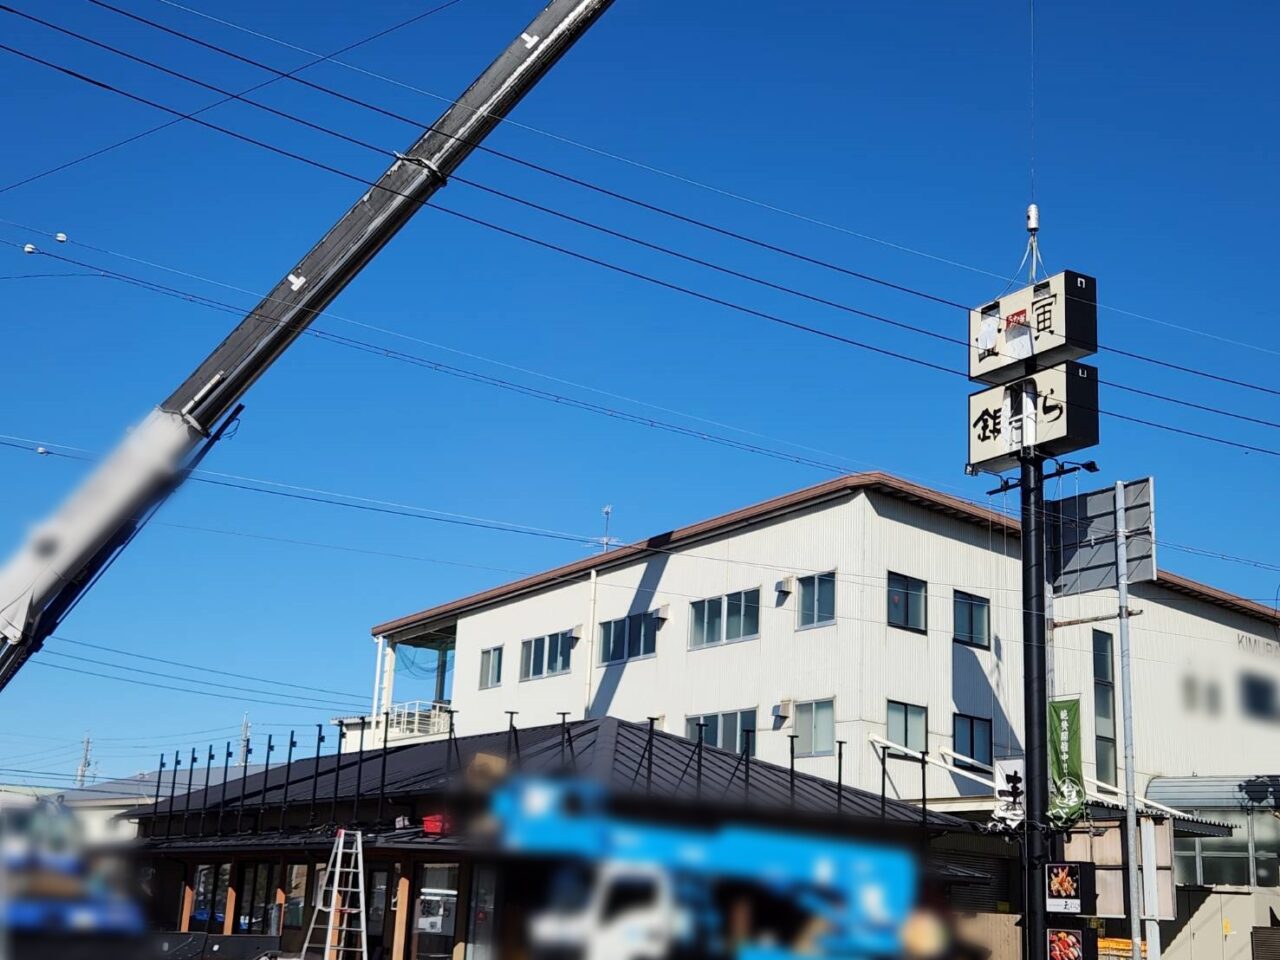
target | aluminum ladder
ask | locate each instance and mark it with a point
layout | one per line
(342, 899)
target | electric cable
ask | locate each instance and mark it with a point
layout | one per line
(203, 669)
(37, 660)
(319, 58)
(626, 271)
(285, 697)
(675, 177)
(419, 125)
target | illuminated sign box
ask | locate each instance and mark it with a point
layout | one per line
(1036, 327)
(1053, 412)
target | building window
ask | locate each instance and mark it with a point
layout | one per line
(545, 656)
(490, 667)
(723, 619)
(815, 728)
(1258, 697)
(295, 895)
(209, 905)
(1104, 707)
(973, 620)
(971, 737)
(629, 638)
(908, 725)
(817, 599)
(907, 606)
(724, 730)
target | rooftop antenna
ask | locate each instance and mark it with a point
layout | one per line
(607, 541)
(245, 728)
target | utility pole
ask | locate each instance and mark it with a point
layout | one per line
(1126, 706)
(86, 761)
(1035, 700)
(245, 728)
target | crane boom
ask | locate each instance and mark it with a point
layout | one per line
(60, 558)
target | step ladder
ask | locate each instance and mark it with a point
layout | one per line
(341, 935)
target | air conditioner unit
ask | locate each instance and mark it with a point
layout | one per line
(785, 585)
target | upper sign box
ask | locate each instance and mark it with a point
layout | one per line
(1036, 327)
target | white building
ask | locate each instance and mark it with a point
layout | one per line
(869, 607)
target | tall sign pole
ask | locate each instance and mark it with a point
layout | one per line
(1039, 402)
(1035, 700)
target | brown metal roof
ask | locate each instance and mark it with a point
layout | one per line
(838, 488)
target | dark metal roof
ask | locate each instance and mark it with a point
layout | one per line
(611, 751)
(831, 490)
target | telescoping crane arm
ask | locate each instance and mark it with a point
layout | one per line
(61, 557)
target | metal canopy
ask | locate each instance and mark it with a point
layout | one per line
(1081, 538)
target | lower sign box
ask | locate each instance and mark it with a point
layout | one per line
(1069, 888)
(1067, 943)
(1050, 413)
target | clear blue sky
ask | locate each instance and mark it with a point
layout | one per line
(1157, 144)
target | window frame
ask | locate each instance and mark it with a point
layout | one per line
(486, 681)
(556, 640)
(907, 707)
(719, 715)
(287, 884)
(969, 759)
(649, 617)
(906, 590)
(813, 705)
(1109, 684)
(963, 596)
(818, 620)
(724, 601)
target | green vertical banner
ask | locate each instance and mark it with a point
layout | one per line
(1066, 765)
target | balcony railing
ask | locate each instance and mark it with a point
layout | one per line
(418, 718)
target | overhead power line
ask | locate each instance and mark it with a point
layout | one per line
(285, 697)
(690, 181)
(774, 568)
(164, 686)
(319, 58)
(203, 669)
(626, 271)
(418, 124)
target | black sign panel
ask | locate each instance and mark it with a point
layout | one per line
(1069, 887)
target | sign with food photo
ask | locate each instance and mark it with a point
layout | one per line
(1062, 888)
(1067, 944)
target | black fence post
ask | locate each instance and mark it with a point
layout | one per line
(791, 774)
(204, 801)
(382, 775)
(746, 767)
(186, 807)
(266, 782)
(315, 776)
(355, 802)
(226, 773)
(244, 775)
(173, 788)
(337, 769)
(288, 775)
(702, 727)
(839, 776)
(155, 805)
(648, 773)
(884, 779)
